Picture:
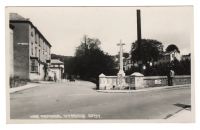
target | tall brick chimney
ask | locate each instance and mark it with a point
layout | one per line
(138, 26)
(139, 35)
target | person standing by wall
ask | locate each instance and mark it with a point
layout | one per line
(170, 77)
(55, 78)
(172, 73)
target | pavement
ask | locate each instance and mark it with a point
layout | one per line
(20, 88)
(182, 116)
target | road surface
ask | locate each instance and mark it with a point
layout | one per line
(79, 100)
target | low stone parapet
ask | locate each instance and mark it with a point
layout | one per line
(182, 79)
(140, 82)
(107, 82)
(159, 81)
(111, 82)
(155, 81)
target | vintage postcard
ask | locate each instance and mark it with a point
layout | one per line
(100, 64)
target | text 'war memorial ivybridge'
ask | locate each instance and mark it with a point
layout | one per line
(137, 80)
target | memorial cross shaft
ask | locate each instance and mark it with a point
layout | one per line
(121, 57)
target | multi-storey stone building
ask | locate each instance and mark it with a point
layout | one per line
(32, 51)
(128, 63)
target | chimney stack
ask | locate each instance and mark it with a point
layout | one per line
(138, 26)
(139, 39)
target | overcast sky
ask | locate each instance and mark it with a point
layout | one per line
(64, 27)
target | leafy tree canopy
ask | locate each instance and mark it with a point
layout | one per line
(171, 48)
(87, 44)
(90, 60)
(149, 50)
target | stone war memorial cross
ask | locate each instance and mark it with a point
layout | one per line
(120, 74)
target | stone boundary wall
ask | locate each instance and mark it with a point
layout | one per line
(140, 82)
(155, 81)
(159, 81)
(182, 79)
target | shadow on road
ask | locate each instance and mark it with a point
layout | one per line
(184, 106)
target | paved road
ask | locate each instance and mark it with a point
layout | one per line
(79, 101)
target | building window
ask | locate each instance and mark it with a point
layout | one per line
(44, 45)
(39, 41)
(35, 51)
(36, 38)
(34, 65)
(32, 48)
(32, 33)
(39, 53)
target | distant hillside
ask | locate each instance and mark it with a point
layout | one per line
(60, 57)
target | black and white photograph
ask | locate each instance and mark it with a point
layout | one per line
(100, 63)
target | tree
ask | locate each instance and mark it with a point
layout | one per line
(149, 50)
(86, 45)
(171, 48)
(187, 65)
(90, 60)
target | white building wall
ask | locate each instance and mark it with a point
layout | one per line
(39, 75)
(58, 73)
(41, 71)
(33, 76)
